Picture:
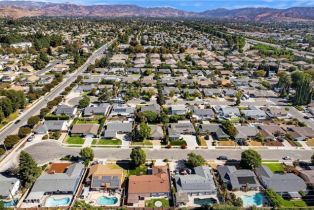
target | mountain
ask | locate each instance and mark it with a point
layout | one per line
(17, 9)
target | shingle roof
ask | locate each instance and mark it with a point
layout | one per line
(6, 183)
(85, 129)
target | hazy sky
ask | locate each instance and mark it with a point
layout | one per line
(199, 5)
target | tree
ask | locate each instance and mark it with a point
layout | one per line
(138, 156)
(230, 129)
(152, 117)
(284, 83)
(32, 121)
(301, 81)
(250, 159)
(84, 102)
(239, 95)
(28, 169)
(11, 140)
(144, 131)
(195, 160)
(24, 131)
(87, 155)
(44, 112)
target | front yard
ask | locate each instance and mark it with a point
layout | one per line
(310, 142)
(74, 140)
(275, 167)
(152, 203)
(143, 143)
(106, 142)
(226, 143)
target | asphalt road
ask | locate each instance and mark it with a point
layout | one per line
(48, 68)
(48, 151)
(35, 109)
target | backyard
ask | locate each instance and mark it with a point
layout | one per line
(152, 203)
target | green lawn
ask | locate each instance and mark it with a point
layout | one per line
(177, 142)
(84, 121)
(141, 170)
(107, 142)
(74, 140)
(151, 203)
(293, 204)
(275, 167)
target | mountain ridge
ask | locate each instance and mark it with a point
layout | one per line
(18, 9)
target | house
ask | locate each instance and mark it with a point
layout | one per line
(227, 112)
(301, 133)
(105, 177)
(245, 132)
(254, 114)
(90, 130)
(122, 110)
(101, 109)
(241, 179)
(177, 110)
(210, 92)
(215, 130)
(270, 132)
(9, 187)
(287, 185)
(152, 107)
(52, 125)
(22, 45)
(175, 130)
(63, 183)
(60, 68)
(115, 127)
(148, 186)
(199, 183)
(203, 114)
(65, 110)
(156, 132)
(276, 112)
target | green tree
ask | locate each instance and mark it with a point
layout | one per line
(24, 131)
(284, 83)
(28, 169)
(250, 159)
(302, 82)
(11, 140)
(152, 117)
(239, 95)
(87, 155)
(138, 156)
(84, 102)
(144, 131)
(32, 121)
(230, 128)
(195, 160)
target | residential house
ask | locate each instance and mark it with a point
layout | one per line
(270, 132)
(287, 185)
(254, 114)
(307, 176)
(227, 112)
(199, 183)
(152, 107)
(241, 179)
(114, 128)
(178, 110)
(203, 114)
(122, 110)
(149, 186)
(88, 130)
(156, 132)
(52, 125)
(105, 177)
(101, 109)
(215, 130)
(245, 132)
(301, 133)
(9, 187)
(276, 112)
(65, 110)
(63, 183)
(175, 130)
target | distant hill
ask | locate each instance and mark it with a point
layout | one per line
(17, 9)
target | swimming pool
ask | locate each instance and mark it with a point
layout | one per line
(8, 204)
(204, 201)
(256, 199)
(104, 201)
(54, 202)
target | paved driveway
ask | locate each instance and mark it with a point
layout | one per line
(190, 141)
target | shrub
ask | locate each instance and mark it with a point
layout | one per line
(24, 131)
(11, 140)
(2, 151)
(45, 137)
(183, 146)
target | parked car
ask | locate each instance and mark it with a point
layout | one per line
(31, 138)
(222, 157)
(287, 158)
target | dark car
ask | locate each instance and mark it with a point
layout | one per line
(16, 122)
(222, 157)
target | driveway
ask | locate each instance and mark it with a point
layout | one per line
(190, 141)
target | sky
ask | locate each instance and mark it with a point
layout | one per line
(198, 5)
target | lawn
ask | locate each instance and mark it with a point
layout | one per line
(107, 142)
(85, 121)
(255, 143)
(151, 203)
(10, 118)
(227, 143)
(202, 141)
(178, 142)
(293, 203)
(275, 167)
(310, 142)
(140, 170)
(144, 143)
(74, 140)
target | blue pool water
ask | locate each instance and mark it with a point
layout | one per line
(103, 200)
(253, 200)
(9, 203)
(53, 202)
(205, 201)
